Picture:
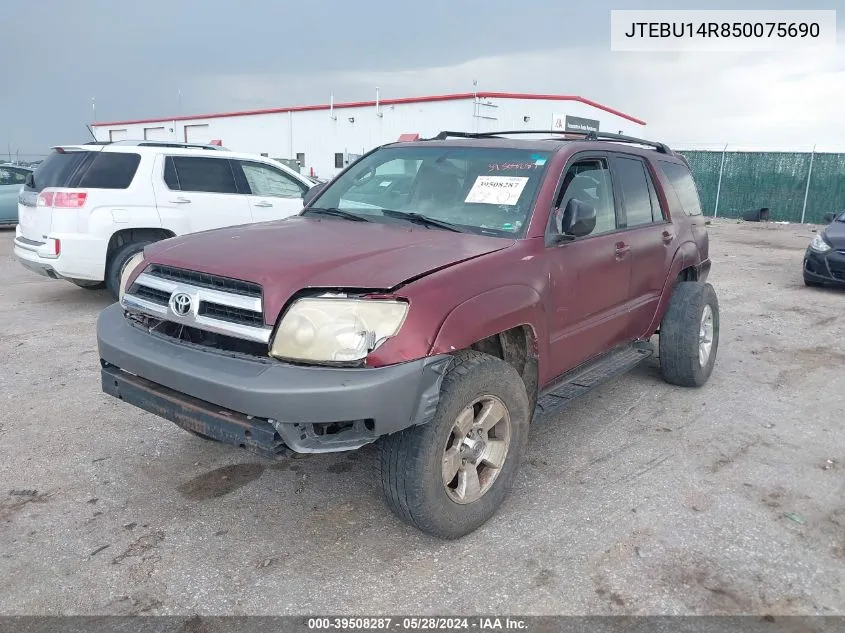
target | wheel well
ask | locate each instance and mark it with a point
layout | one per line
(688, 274)
(127, 236)
(517, 347)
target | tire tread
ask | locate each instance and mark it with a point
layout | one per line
(402, 453)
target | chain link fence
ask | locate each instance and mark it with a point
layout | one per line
(794, 186)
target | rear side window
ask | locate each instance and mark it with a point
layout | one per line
(110, 170)
(683, 185)
(189, 173)
(633, 181)
(58, 169)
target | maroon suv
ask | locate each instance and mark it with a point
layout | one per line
(433, 297)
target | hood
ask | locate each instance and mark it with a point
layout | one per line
(835, 234)
(288, 255)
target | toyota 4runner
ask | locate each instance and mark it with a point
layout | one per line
(432, 297)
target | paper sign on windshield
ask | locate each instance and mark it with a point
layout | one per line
(496, 190)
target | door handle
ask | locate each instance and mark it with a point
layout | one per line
(181, 201)
(263, 204)
(622, 249)
(667, 237)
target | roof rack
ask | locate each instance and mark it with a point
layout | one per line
(622, 138)
(171, 144)
(556, 136)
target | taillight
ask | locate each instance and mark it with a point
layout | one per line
(62, 199)
(69, 199)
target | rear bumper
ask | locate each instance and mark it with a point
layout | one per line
(825, 268)
(80, 257)
(259, 404)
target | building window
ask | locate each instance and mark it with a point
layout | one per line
(338, 161)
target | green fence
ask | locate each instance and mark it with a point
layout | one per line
(775, 180)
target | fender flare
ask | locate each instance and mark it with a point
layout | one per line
(490, 313)
(685, 256)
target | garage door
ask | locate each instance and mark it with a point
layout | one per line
(156, 134)
(197, 134)
(117, 135)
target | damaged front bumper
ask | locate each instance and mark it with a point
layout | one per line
(825, 268)
(263, 405)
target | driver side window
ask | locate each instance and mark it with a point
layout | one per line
(588, 181)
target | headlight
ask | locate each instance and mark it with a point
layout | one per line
(818, 244)
(136, 260)
(325, 330)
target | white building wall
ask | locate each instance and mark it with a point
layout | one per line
(320, 134)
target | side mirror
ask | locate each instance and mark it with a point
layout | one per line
(579, 218)
(312, 193)
(829, 217)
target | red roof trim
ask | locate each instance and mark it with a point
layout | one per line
(384, 102)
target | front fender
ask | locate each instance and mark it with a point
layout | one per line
(490, 313)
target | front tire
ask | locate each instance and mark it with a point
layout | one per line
(449, 476)
(116, 263)
(689, 335)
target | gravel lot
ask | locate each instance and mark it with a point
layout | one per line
(640, 499)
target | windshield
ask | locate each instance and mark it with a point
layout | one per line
(841, 217)
(485, 190)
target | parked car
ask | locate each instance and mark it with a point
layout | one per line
(89, 208)
(824, 259)
(510, 277)
(12, 178)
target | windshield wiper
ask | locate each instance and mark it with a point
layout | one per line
(338, 213)
(424, 220)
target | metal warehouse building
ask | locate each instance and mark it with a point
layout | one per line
(325, 138)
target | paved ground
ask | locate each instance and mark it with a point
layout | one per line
(642, 498)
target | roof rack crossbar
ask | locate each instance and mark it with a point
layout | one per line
(558, 135)
(609, 136)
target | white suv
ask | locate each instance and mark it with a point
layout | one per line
(88, 209)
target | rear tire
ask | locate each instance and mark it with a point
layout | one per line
(475, 440)
(114, 267)
(88, 285)
(689, 335)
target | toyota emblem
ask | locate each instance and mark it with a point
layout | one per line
(180, 303)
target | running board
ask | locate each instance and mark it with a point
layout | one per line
(590, 375)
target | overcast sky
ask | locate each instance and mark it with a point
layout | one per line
(135, 57)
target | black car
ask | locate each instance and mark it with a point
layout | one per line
(824, 261)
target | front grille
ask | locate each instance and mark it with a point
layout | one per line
(230, 314)
(204, 280)
(160, 297)
(218, 306)
(196, 336)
